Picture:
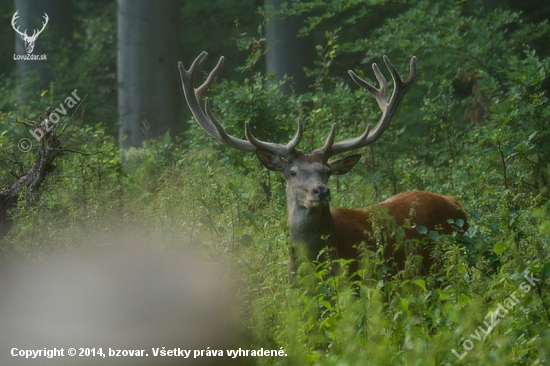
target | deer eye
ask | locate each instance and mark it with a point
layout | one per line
(292, 173)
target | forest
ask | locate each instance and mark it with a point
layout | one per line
(131, 237)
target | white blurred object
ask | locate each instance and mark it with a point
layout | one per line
(129, 299)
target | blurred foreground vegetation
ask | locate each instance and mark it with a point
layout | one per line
(475, 126)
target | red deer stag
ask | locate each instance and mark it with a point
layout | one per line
(312, 224)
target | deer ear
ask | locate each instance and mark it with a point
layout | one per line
(343, 165)
(271, 160)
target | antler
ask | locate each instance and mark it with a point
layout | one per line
(36, 33)
(212, 126)
(24, 34)
(13, 24)
(388, 108)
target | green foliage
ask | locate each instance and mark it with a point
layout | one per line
(215, 26)
(94, 73)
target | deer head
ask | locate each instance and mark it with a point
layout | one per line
(29, 40)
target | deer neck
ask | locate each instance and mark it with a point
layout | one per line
(310, 228)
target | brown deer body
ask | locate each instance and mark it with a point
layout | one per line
(312, 224)
(340, 227)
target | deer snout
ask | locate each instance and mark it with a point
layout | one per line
(321, 193)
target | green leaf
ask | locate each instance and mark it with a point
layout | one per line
(422, 229)
(421, 283)
(326, 304)
(499, 248)
(250, 217)
(434, 235)
(246, 240)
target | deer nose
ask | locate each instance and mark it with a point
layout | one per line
(321, 192)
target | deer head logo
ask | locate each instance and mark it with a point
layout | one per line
(29, 40)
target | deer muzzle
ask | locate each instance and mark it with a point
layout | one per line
(320, 196)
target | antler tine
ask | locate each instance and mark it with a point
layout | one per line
(14, 21)
(36, 32)
(210, 78)
(292, 144)
(284, 151)
(388, 107)
(46, 19)
(206, 119)
(327, 149)
(379, 94)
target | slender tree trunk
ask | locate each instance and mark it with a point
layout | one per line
(149, 94)
(288, 54)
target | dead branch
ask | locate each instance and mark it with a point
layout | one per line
(27, 186)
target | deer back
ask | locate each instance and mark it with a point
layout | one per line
(381, 225)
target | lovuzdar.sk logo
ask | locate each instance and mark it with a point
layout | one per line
(29, 40)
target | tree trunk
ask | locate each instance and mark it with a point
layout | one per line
(149, 94)
(288, 54)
